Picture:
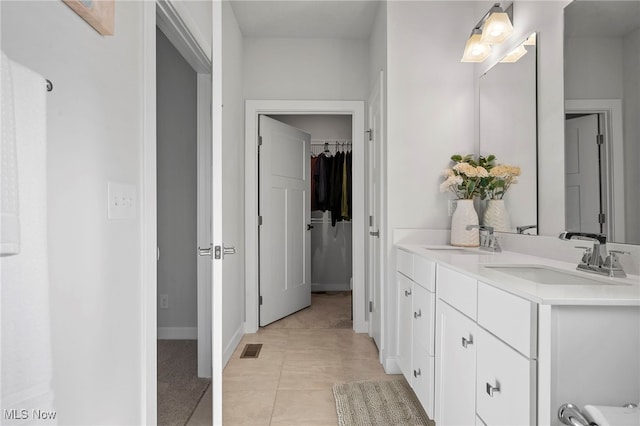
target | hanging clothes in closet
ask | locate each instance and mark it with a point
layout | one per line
(331, 184)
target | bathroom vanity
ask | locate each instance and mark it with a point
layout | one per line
(507, 338)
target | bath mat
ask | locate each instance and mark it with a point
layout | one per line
(383, 403)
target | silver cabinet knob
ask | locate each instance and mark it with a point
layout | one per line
(491, 389)
(467, 341)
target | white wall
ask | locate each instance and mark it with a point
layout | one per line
(177, 190)
(233, 178)
(318, 69)
(430, 117)
(94, 136)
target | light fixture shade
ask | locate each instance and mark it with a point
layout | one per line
(515, 54)
(475, 50)
(497, 28)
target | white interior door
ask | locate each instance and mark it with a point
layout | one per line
(284, 206)
(582, 171)
(374, 290)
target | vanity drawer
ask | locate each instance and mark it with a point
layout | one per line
(511, 318)
(458, 290)
(505, 383)
(404, 263)
(424, 273)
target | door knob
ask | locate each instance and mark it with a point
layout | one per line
(205, 252)
(375, 233)
(221, 251)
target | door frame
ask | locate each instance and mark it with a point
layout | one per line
(162, 14)
(254, 108)
(614, 144)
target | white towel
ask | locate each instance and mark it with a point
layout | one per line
(26, 343)
(9, 211)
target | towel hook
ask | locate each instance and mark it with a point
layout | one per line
(49, 85)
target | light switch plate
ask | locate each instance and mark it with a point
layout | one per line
(121, 201)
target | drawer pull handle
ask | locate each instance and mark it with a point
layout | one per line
(417, 373)
(492, 389)
(418, 314)
(407, 293)
(466, 341)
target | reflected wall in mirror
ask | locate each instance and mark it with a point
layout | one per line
(602, 134)
(508, 130)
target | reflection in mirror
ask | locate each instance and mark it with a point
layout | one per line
(508, 130)
(602, 130)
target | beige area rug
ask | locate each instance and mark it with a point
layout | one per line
(179, 387)
(384, 403)
(331, 309)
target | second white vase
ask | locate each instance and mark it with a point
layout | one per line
(465, 214)
(497, 216)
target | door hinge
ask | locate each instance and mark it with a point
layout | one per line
(600, 139)
(601, 218)
(259, 140)
(259, 220)
(370, 131)
(260, 300)
(370, 306)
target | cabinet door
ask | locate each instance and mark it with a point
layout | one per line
(505, 383)
(405, 319)
(423, 380)
(455, 367)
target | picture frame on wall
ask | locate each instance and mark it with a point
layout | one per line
(100, 14)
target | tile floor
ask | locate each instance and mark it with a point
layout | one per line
(290, 382)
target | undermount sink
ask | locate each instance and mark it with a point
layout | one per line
(454, 250)
(545, 275)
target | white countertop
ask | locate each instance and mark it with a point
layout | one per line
(613, 291)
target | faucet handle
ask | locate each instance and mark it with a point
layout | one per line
(612, 264)
(619, 251)
(586, 256)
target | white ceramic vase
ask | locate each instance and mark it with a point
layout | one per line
(465, 214)
(497, 216)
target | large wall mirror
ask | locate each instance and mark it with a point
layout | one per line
(508, 130)
(602, 121)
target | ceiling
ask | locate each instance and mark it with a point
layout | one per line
(346, 19)
(601, 18)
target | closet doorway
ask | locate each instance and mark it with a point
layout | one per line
(352, 250)
(305, 231)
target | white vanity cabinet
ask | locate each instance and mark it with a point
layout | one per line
(485, 361)
(416, 314)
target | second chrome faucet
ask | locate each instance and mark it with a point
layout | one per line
(488, 241)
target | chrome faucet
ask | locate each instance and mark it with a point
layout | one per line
(521, 229)
(595, 259)
(488, 241)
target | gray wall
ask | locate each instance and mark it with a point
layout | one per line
(331, 247)
(177, 190)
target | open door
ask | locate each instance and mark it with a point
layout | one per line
(375, 212)
(284, 207)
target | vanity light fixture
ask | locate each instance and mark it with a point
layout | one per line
(494, 28)
(497, 27)
(475, 50)
(515, 54)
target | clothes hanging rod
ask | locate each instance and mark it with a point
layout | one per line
(316, 142)
(49, 85)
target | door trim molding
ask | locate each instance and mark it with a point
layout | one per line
(612, 110)
(253, 108)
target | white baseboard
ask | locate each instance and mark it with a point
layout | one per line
(232, 345)
(390, 365)
(330, 287)
(177, 333)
